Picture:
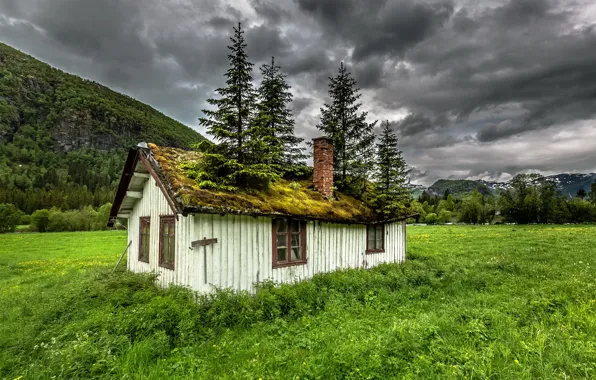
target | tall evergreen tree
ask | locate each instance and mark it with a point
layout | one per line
(233, 162)
(353, 137)
(228, 123)
(390, 194)
(273, 129)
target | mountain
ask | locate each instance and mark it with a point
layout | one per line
(416, 189)
(63, 138)
(567, 185)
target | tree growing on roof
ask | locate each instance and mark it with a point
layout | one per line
(239, 158)
(274, 124)
(353, 137)
(390, 194)
(228, 123)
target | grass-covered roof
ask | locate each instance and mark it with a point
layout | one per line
(284, 197)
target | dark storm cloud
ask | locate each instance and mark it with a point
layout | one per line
(467, 84)
(220, 22)
(299, 104)
(378, 27)
(272, 11)
(369, 73)
(495, 132)
(525, 53)
(521, 13)
(313, 61)
(264, 42)
(414, 124)
(76, 25)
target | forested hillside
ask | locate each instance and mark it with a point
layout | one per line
(63, 138)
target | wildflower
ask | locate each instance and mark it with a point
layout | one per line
(516, 361)
(18, 378)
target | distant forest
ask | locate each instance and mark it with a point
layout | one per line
(530, 199)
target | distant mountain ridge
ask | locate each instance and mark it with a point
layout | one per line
(568, 184)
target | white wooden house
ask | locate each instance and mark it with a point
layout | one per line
(205, 239)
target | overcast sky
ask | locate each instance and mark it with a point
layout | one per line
(474, 88)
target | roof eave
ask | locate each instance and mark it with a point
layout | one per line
(256, 213)
(129, 168)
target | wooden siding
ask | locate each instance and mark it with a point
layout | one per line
(243, 253)
(153, 204)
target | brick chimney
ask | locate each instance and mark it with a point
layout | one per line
(323, 166)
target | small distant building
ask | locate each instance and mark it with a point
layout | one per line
(204, 239)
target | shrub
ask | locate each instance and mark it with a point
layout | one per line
(25, 219)
(444, 216)
(40, 220)
(86, 219)
(10, 216)
(56, 221)
(431, 218)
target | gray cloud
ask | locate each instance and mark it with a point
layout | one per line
(378, 27)
(414, 124)
(300, 104)
(465, 83)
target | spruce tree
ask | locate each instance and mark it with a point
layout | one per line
(353, 137)
(273, 130)
(229, 121)
(232, 163)
(390, 192)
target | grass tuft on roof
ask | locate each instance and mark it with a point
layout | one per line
(295, 198)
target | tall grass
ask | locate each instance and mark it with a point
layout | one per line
(475, 302)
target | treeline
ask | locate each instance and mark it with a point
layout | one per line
(256, 144)
(54, 219)
(530, 199)
(534, 199)
(44, 179)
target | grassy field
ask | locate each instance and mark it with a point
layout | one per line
(472, 302)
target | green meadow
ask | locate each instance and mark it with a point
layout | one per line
(471, 302)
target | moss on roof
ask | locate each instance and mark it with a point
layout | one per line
(284, 197)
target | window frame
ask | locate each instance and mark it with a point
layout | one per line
(289, 262)
(374, 229)
(163, 219)
(144, 220)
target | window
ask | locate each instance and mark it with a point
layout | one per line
(167, 241)
(144, 233)
(375, 238)
(289, 242)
